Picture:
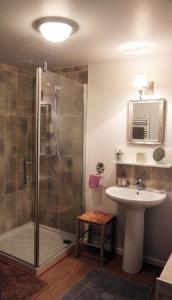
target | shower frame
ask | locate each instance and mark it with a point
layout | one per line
(10, 259)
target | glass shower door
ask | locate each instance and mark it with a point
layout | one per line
(61, 162)
(17, 137)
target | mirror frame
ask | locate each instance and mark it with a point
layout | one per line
(161, 134)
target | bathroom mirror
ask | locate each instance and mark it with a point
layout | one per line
(146, 120)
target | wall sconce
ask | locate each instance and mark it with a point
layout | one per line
(140, 82)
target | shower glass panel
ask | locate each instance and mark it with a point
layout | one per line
(41, 163)
(61, 162)
(17, 135)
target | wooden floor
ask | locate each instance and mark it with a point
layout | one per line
(67, 272)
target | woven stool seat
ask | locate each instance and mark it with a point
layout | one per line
(96, 217)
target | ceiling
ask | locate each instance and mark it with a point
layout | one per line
(103, 26)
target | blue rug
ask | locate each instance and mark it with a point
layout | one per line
(99, 285)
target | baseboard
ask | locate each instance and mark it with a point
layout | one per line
(148, 259)
(154, 261)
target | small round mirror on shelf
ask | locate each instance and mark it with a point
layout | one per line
(158, 154)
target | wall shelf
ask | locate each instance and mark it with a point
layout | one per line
(149, 164)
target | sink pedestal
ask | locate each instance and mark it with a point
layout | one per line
(133, 243)
(135, 203)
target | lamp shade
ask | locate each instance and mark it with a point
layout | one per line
(140, 81)
(55, 31)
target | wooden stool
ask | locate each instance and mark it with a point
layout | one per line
(100, 219)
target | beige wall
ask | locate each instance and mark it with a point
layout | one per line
(109, 89)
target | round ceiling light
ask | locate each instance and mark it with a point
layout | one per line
(55, 29)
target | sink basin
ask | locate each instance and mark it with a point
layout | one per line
(132, 198)
(135, 202)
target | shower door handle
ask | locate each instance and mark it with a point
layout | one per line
(26, 164)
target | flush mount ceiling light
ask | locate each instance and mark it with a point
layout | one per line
(55, 29)
(137, 47)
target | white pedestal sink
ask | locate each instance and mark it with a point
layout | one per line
(135, 201)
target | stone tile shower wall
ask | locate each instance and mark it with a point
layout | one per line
(79, 73)
(16, 136)
(61, 177)
(152, 177)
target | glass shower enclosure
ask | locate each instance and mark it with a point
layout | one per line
(42, 159)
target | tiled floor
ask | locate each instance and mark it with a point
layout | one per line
(19, 242)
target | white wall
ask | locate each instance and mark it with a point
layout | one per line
(109, 89)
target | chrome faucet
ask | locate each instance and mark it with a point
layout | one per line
(139, 184)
